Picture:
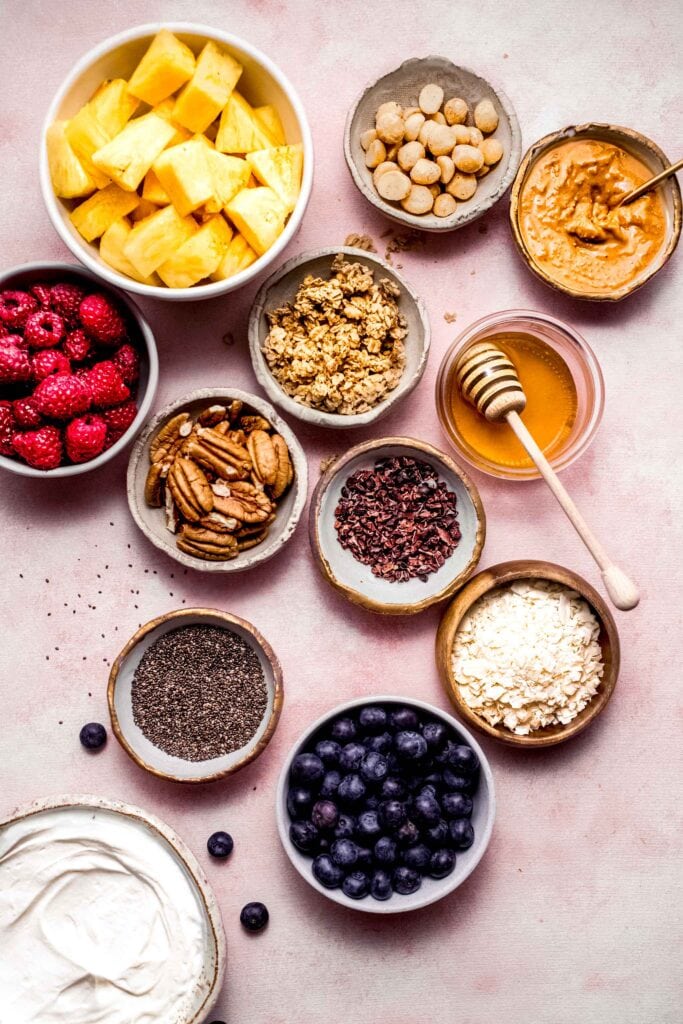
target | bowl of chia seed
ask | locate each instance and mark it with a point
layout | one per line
(195, 695)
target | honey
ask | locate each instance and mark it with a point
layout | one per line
(550, 411)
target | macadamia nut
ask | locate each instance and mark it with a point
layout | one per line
(409, 154)
(461, 134)
(446, 168)
(486, 117)
(413, 123)
(375, 154)
(390, 128)
(388, 108)
(430, 98)
(418, 201)
(475, 137)
(441, 140)
(367, 137)
(492, 150)
(425, 172)
(467, 158)
(462, 186)
(394, 186)
(444, 205)
(455, 111)
(386, 165)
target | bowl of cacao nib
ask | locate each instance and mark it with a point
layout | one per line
(396, 525)
(385, 804)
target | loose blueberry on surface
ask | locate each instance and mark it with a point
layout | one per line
(417, 857)
(351, 756)
(372, 719)
(408, 834)
(381, 743)
(436, 734)
(330, 784)
(462, 833)
(93, 736)
(327, 872)
(373, 767)
(410, 745)
(394, 788)
(304, 835)
(386, 851)
(441, 863)
(405, 881)
(220, 845)
(351, 789)
(368, 826)
(344, 852)
(307, 767)
(299, 801)
(456, 805)
(463, 759)
(403, 718)
(392, 814)
(438, 835)
(426, 808)
(345, 827)
(254, 916)
(325, 814)
(356, 885)
(343, 730)
(459, 783)
(328, 751)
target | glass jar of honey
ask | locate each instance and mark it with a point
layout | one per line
(562, 382)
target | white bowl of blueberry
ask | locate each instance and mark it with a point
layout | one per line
(385, 804)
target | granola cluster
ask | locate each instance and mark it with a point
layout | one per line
(338, 346)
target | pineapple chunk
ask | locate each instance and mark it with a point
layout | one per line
(230, 174)
(183, 172)
(86, 135)
(166, 66)
(143, 209)
(69, 177)
(152, 190)
(95, 215)
(113, 106)
(281, 168)
(270, 119)
(165, 110)
(111, 251)
(240, 131)
(131, 153)
(154, 240)
(205, 95)
(259, 214)
(199, 256)
(239, 256)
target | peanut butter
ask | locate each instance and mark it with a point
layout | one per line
(572, 226)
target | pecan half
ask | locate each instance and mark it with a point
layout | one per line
(190, 489)
(250, 529)
(221, 524)
(153, 485)
(207, 544)
(215, 451)
(163, 445)
(285, 471)
(212, 416)
(249, 423)
(234, 409)
(263, 456)
(251, 542)
(246, 503)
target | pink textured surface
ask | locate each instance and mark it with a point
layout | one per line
(574, 913)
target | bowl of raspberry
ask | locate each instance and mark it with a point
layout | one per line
(78, 370)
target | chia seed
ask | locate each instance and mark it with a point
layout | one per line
(199, 692)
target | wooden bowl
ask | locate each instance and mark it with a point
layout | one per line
(282, 287)
(152, 520)
(403, 85)
(130, 736)
(499, 575)
(639, 146)
(355, 580)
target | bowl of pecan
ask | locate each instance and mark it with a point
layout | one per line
(217, 480)
(396, 525)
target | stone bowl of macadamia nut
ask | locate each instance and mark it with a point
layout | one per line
(432, 145)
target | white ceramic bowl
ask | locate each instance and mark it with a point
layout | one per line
(281, 288)
(29, 274)
(432, 889)
(95, 809)
(133, 740)
(116, 57)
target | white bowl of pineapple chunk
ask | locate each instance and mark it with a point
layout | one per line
(176, 161)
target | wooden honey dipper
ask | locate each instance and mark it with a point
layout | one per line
(488, 380)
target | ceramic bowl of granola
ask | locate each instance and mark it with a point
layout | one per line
(217, 480)
(337, 338)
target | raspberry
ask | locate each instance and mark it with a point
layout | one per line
(48, 362)
(118, 420)
(62, 396)
(7, 428)
(41, 292)
(16, 308)
(4, 332)
(43, 329)
(85, 438)
(65, 300)
(14, 364)
(77, 346)
(127, 359)
(106, 385)
(102, 320)
(42, 448)
(26, 413)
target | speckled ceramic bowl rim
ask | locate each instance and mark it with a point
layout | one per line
(433, 454)
(253, 556)
(443, 887)
(184, 854)
(178, 616)
(150, 354)
(206, 291)
(456, 220)
(319, 417)
(624, 137)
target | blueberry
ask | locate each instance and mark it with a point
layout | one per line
(344, 853)
(386, 851)
(351, 789)
(368, 826)
(435, 780)
(330, 784)
(380, 885)
(458, 783)
(410, 745)
(373, 719)
(364, 857)
(443, 757)
(437, 835)
(254, 916)
(381, 743)
(442, 863)
(464, 759)
(356, 885)
(436, 734)
(417, 857)
(462, 833)
(307, 767)
(351, 756)
(327, 872)
(426, 808)
(373, 767)
(427, 789)
(325, 814)
(220, 845)
(345, 827)
(403, 718)
(404, 880)
(456, 805)
(394, 788)
(304, 835)
(343, 730)
(299, 802)
(93, 736)
(408, 834)
(328, 751)
(392, 814)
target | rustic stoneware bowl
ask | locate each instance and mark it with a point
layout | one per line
(639, 146)
(21, 278)
(500, 575)
(95, 809)
(432, 889)
(130, 736)
(152, 520)
(403, 85)
(116, 57)
(355, 580)
(282, 287)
